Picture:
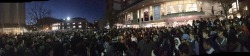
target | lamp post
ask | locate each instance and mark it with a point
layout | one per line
(68, 18)
(67, 21)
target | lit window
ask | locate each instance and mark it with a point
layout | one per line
(194, 7)
(68, 27)
(74, 26)
(246, 8)
(73, 23)
(80, 22)
(180, 8)
(80, 26)
(68, 23)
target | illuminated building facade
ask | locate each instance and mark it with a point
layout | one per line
(73, 23)
(12, 17)
(158, 13)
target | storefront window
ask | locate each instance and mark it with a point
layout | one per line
(172, 9)
(191, 7)
(180, 8)
(194, 7)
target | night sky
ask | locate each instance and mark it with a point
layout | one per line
(89, 9)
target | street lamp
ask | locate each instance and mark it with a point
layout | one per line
(68, 18)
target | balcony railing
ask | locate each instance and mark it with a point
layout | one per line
(183, 14)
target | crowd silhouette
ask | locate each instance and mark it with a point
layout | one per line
(205, 36)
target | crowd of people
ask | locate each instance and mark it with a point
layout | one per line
(205, 36)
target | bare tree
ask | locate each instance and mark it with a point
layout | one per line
(37, 10)
(226, 5)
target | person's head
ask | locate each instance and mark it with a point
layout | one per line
(205, 34)
(21, 43)
(228, 26)
(221, 34)
(176, 41)
(133, 44)
(122, 39)
(239, 28)
(132, 35)
(191, 35)
(155, 37)
(7, 47)
(147, 39)
(185, 38)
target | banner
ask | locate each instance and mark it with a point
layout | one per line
(146, 16)
(157, 12)
(135, 18)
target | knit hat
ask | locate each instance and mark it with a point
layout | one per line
(186, 36)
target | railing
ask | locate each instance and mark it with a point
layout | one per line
(135, 21)
(183, 14)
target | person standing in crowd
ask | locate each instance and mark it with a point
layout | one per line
(121, 45)
(58, 48)
(161, 48)
(242, 37)
(21, 49)
(235, 46)
(133, 50)
(31, 51)
(246, 32)
(176, 49)
(209, 49)
(133, 38)
(187, 41)
(46, 51)
(203, 36)
(194, 43)
(221, 42)
(230, 34)
(146, 46)
(184, 51)
(107, 47)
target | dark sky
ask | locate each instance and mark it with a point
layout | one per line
(89, 9)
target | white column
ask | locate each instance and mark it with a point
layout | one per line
(142, 14)
(237, 5)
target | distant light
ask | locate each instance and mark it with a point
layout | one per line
(68, 18)
(80, 26)
(238, 15)
(246, 8)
